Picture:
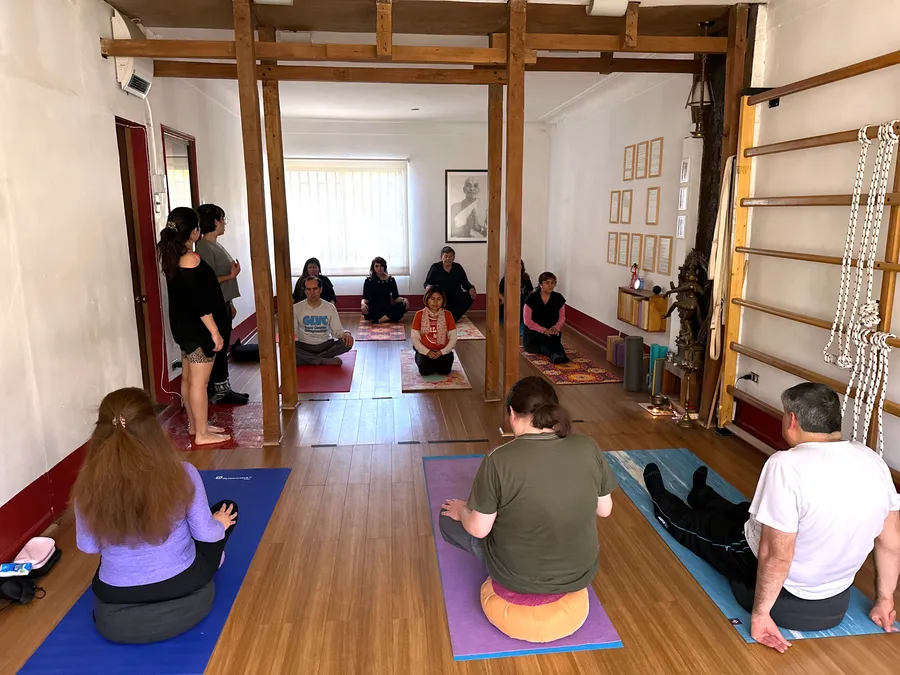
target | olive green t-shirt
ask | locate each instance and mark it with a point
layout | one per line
(544, 490)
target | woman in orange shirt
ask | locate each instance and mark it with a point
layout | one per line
(434, 335)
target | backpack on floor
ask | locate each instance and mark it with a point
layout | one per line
(19, 590)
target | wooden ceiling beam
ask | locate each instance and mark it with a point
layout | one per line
(299, 51)
(613, 43)
(605, 65)
(629, 40)
(384, 35)
(228, 71)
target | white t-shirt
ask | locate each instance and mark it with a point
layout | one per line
(317, 325)
(835, 496)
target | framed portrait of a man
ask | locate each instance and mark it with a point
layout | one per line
(466, 206)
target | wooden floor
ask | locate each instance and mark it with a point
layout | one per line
(345, 579)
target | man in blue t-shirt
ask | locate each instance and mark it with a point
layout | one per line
(320, 336)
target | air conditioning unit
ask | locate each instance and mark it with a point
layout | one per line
(135, 75)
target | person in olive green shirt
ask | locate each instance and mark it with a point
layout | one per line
(532, 513)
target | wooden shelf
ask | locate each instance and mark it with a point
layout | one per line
(642, 309)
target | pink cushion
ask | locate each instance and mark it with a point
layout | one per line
(523, 599)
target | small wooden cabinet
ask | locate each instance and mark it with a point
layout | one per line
(642, 309)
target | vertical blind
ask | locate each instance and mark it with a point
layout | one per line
(346, 212)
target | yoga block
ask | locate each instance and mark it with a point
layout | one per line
(619, 358)
(611, 343)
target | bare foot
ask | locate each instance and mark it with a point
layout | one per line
(212, 428)
(384, 319)
(211, 439)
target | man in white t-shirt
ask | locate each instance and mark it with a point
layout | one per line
(818, 511)
(321, 338)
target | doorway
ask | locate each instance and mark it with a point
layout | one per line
(140, 229)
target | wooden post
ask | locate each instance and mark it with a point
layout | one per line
(256, 207)
(888, 285)
(735, 63)
(384, 35)
(630, 38)
(515, 141)
(739, 262)
(492, 391)
(280, 236)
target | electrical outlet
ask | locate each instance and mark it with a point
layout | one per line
(753, 377)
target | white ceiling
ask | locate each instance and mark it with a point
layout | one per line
(545, 93)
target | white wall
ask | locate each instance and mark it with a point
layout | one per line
(67, 326)
(587, 146)
(801, 43)
(430, 149)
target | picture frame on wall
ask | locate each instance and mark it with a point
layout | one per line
(656, 155)
(641, 159)
(612, 248)
(637, 246)
(683, 198)
(680, 225)
(684, 176)
(652, 206)
(648, 256)
(628, 163)
(466, 206)
(624, 248)
(625, 210)
(614, 206)
(664, 256)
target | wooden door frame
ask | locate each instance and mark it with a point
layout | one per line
(145, 243)
(192, 161)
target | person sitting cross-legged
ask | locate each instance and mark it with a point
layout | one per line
(434, 335)
(792, 553)
(321, 338)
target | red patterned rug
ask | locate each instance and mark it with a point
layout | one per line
(374, 332)
(579, 370)
(243, 422)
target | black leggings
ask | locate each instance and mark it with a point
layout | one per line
(459, 304)
(442, 365)
(219, 374)
(548, 345)
(202, 570)
(393, 312)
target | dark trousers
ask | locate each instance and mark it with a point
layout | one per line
(202, 570)
(453, 532)
(548, 345)
(711, 527)
(458, 304)
(442, 365)
(312, 355)
(393, 312)
(219, 374)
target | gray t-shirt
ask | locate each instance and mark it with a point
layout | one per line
(215, 255)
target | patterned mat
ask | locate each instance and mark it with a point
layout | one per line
(466, 330)
(243, 422)
(413, 381)
(373, 332)
(579, 370)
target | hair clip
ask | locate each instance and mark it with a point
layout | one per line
(170, 225)
(118, 421)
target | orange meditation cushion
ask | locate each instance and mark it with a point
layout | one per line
(533, 618)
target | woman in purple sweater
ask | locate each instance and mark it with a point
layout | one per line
(144, 510)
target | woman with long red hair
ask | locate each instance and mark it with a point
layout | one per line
(144, 510)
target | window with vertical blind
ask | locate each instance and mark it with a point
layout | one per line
(346, 212)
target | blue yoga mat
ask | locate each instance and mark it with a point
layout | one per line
(677, 467)
(75, 646)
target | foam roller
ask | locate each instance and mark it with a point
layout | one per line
(634, 363)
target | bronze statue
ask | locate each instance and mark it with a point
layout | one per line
(692, 304)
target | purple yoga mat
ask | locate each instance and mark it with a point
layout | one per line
(471, 635)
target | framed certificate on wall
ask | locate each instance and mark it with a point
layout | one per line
(628, 163)
(664, 258)
(623, 249)
(637, 243)
(614, 206)
(656, 154)
(652, 206)
(625, 210)
(648, 257)
(640, 162)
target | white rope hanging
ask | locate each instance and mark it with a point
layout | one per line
(869, 370)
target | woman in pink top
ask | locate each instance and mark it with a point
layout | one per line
(144, 510)
(545, 316)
